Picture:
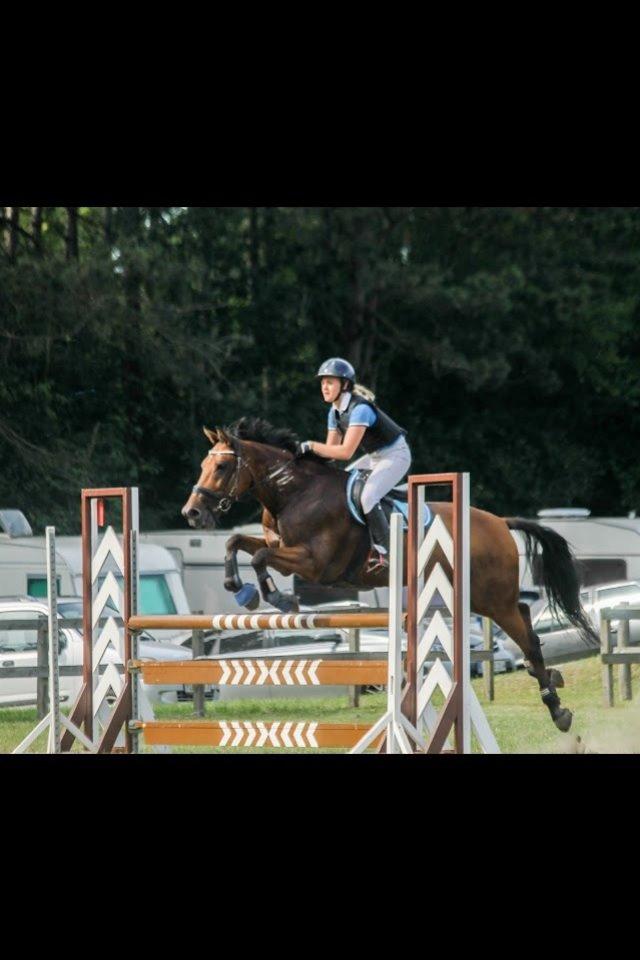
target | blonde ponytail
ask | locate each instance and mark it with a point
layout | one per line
(364, 392)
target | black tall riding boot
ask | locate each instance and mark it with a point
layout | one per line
(379, 529)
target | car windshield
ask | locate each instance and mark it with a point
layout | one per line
(21, 640)
(613, 595)
(72, 609)
(283, 639)
(546, 623)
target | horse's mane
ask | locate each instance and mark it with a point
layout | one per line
(261, 431)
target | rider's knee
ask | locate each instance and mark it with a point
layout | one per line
(369, 500)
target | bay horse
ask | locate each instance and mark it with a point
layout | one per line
(309, 531)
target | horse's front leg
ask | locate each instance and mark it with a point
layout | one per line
(286, 560)
(245, 593)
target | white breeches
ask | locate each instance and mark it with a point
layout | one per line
(388, 467)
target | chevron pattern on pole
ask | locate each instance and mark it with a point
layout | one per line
(246, 733)
(259, 673)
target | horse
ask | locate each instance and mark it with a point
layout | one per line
(309, 531)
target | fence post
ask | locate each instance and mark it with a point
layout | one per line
(624, 670)
(487, 665)
(354, 647)
(42, 680)
(197, 647)
(607, 668)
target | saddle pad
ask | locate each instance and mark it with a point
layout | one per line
(389, 503)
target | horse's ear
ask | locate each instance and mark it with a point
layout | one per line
(223, 436)
(211, 435)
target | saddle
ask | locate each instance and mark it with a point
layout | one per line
(394, 502)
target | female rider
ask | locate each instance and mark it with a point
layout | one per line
(356, 423)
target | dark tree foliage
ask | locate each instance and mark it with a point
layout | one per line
(506, 340)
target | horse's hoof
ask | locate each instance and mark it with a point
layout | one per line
(555, 678)
(248, 597)
(285, 602)
(563, 719)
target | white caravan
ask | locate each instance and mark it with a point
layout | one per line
(199, 556)
(23, 572)
(608, 548)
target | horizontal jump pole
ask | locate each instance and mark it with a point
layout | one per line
(257, 673)
(259, 621)
(253, 734)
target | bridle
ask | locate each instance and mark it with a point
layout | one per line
(222, 503)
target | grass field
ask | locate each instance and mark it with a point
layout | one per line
(519, 720)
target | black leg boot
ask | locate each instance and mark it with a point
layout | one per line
(379, 530)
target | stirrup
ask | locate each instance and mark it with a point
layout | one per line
(377, 562)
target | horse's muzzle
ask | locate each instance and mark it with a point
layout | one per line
(198, 518)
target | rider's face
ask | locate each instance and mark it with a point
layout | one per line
(330, 387)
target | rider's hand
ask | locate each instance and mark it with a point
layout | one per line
(305, 447)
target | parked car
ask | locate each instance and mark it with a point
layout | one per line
(559, 638)
(504, 660)
(18, 648)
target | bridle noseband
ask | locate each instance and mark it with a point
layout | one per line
(222, 503)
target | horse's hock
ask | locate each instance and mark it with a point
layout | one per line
(426, 711)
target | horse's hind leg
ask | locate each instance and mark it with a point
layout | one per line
(554, 677)
(517, 623)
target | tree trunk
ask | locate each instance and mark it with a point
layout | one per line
(254, 248)
(36, 229)
(72, 233)
(108, 225)
(13, 215)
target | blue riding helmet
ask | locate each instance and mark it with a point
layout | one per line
(337, 367)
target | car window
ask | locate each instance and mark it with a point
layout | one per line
(237, 644)
(546, 623)
(154, 596)
(613, 595)
(281, 639)
(17, 641)
(37, 586)
(72, 609)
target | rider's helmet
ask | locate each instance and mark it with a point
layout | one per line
(337, 367)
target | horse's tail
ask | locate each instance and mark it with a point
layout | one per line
(559, 574)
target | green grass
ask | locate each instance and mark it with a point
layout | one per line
(519, 720)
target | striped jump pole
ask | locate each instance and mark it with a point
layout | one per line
(259, 621)
(242, 733)
(262, 673)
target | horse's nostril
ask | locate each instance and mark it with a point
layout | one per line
(191, 514)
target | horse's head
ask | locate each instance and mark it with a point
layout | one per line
(224, 478)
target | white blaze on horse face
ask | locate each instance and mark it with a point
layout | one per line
(211, 477)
